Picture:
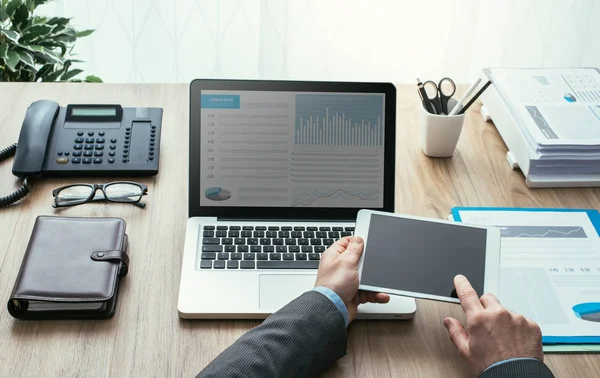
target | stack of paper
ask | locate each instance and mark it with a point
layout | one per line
(553, 118)
(549, 269)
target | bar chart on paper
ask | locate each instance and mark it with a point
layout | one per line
(339, 120)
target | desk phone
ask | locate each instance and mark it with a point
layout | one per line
(88, 140)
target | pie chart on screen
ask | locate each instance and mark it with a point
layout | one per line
(217, 194)
(588, 311)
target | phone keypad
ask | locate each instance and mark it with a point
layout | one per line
(92, 149)
(88, 147)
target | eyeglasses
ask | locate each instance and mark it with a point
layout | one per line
(122, 191)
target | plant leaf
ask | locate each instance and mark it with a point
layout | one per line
(3, 17)
(11, 34)
(3, 51)
(84, 33)
(53, 75)
(93, 79)
(40, 20)
(70, 74)
(70, 31)
(34, 48)
(12, 6)
(19, 19)
(37, 31)
(48, 56)
(50, 45)
(46, 68)
(65, 38)
(58, 21)
(12, 59)
(26, 58)
(67, 65)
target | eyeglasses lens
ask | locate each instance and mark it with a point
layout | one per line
(73, 195)
(122, 192)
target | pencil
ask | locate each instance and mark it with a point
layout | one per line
(472, 100)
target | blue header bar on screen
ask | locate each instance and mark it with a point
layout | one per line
(220, 101)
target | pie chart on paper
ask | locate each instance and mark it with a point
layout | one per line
(217, 194)
(588, 311)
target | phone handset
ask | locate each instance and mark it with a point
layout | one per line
(34, 138)
(31, 149)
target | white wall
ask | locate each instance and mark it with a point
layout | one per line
(382, 40)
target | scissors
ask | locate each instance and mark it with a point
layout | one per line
(439, 94)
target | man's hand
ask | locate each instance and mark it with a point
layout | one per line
(338, 271)
(493, 333)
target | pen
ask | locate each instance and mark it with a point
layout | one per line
(424, 98)
(459, 104)
(464, 109)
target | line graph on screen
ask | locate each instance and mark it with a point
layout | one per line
(308, 199)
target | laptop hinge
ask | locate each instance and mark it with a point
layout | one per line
(226, 219)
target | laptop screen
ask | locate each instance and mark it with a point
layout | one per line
(291, 149)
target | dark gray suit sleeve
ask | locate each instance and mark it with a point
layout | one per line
(519, 369)
(300, 340)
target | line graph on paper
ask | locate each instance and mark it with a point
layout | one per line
(543, 232)
(337, 197)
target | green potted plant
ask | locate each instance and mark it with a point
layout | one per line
(37, 48)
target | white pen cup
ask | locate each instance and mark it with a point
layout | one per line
(440, 132)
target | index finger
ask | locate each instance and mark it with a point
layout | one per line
(336, 248)
(469, 300)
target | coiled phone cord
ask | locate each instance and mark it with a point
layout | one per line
(20, 193)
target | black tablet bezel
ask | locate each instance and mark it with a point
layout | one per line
(334, 213)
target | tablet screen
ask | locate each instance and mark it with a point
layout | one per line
(423, 257)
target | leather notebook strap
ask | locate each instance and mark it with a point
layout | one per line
(113, 255)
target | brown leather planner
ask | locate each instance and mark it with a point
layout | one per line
(71, 269)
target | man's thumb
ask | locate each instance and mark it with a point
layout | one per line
(354, 249)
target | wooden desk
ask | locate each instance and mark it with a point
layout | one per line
(146, 337)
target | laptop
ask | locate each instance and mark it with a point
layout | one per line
(278, 171)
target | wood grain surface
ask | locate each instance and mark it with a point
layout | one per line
(146, 337)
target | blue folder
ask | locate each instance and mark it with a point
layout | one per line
(594, 217)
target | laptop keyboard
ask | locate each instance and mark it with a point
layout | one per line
(266, 247)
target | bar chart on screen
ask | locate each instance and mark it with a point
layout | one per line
(339, 120)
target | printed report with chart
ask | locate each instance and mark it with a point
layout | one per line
(556, 107)
(549, 267)
(299, 149)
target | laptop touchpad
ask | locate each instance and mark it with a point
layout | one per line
(277, 290)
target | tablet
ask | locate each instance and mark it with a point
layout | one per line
(419, 257)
